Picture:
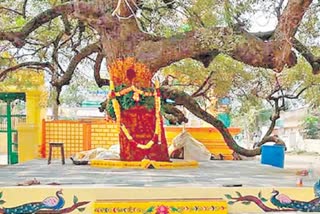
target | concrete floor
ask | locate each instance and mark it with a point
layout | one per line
(249, 173)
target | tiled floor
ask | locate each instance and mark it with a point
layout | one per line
(209, 174)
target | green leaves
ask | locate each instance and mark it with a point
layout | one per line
(149, 210)
(311, 126)
(262, 198)
(24, 79)
(231, 202)
(75, 199)
(81, 209)
(204, 11)
(1, 201)
(228, 12)
(228, 196)
(174, 209)
(126, 101)
(20, 21)
(186, 28)
(246, 202)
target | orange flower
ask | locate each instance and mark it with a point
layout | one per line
(128, 71)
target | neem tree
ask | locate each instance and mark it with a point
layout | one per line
(68, 32)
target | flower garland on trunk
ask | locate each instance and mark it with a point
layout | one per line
(130, 96)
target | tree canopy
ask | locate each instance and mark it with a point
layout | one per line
(214, 37)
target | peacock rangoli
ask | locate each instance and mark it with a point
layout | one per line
(51, 204)
(280, 202)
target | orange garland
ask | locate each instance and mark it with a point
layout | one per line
(157, 133)
(135, 90)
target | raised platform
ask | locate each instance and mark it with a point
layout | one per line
(83, 186)
(144, 164)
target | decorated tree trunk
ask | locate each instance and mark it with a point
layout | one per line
(135, 105)
(140, 123)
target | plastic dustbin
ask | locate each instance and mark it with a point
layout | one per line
(273, 155)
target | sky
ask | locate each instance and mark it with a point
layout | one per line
(263, 22)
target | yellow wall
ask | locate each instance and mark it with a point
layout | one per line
(131, 195)
(78, 136)
(104, 134)
(85, 135)
(3, 143)
(30, 133)
(209, 136)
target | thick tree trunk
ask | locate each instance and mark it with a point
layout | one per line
(138, 124)
(141, 129)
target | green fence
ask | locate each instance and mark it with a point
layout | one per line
(9, 119)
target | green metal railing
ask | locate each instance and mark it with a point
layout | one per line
(9, 123)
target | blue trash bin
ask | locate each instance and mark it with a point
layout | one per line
(273, 155)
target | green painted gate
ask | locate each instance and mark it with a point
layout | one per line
(9, 121)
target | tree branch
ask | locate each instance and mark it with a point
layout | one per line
(206, 59)
(97, 66)
(259, 203)
(240, 45)
(290, 19)
(181, 98)
(4, 73)
(276, 115)
(177, 115)
(203, 85)
(275, 138)
(288, 96)
(302, 49)
(18, 38)
(245, 47)
(291, 97)
(24, 7)
(65, 79)
(285, 30)
(65, 210)
(278, 9)
(67, 24)
(308, 55)
(11, 10)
